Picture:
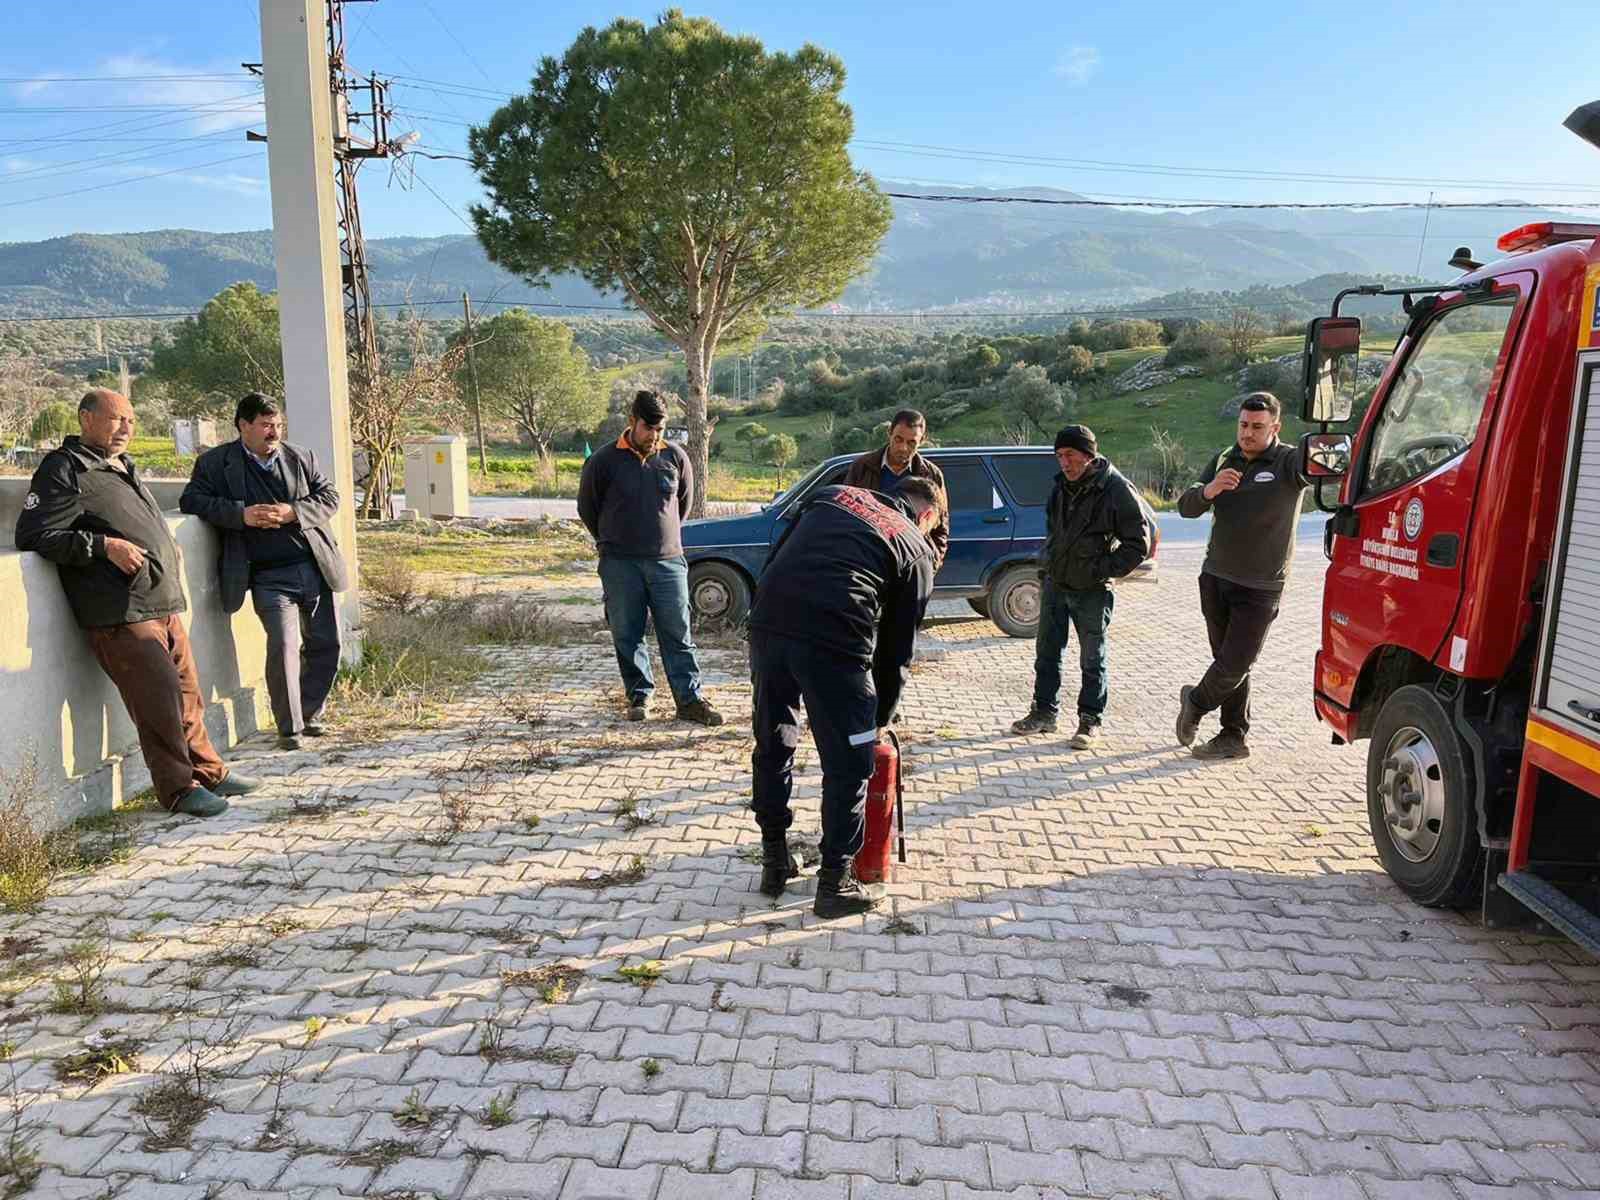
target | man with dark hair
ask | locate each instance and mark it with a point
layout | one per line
(276, 509)
(1095, 531)
(1253, 490)
(833, 627)
(632, 497)
(883, 470)
(88, 512)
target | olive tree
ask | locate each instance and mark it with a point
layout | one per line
(689, 169)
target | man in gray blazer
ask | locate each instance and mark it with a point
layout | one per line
(275, 507)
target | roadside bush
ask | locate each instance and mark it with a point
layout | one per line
(1282, 381)
(1201, 344)
(1073, 364)
(54, 422)
(854, 440)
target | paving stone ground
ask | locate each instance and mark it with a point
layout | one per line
(1111, 973)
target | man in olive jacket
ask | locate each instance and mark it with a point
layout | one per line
(88, 512)
(274, 507)
(882, 470)
(1095, 532)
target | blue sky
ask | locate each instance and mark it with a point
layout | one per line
(1428, 92)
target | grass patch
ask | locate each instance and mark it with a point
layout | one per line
(176, 1105)
(501, 1110)
(553, 983)
(413, 1113)
(644, 974)
(600, 880)
(100, 1060)
(378, 1154)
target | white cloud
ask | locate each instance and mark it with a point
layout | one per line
(1076, 64)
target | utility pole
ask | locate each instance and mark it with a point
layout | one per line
(305, 228)
(472, 376)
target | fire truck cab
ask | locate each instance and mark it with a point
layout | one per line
(1461, 608)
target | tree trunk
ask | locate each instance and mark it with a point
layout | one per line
(696, 362)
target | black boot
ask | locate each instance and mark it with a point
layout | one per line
(778, 866)
(839, 894)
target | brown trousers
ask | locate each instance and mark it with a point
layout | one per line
(153, 668)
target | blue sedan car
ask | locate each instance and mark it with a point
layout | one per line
(997, 507)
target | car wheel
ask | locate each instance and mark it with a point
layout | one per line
(1421, 801)
(718, 593)
(1014, 602)
(979, 605)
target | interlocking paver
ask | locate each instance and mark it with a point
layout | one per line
(1123, 973)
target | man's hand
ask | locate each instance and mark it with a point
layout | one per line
(124, 555)
(268, 516)
(1227, 479)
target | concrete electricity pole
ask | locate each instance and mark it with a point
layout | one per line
(305, 228)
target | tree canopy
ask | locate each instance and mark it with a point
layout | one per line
(530, 372)
(232, 347)
(689, 169)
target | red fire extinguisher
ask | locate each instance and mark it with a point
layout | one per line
(885, 806)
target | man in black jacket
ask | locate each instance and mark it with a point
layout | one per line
(833, 627)
(1095, 531)
(1253, 491)
(274, 507)
(88, 512)
(632, 497)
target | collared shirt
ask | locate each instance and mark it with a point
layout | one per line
(891, 470)
(625, 443)
(267, 463)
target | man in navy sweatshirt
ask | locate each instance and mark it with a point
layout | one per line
(632, 497)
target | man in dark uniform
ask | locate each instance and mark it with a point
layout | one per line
(88, 512)
(1253, 491)
(833, 627)
(274, 507)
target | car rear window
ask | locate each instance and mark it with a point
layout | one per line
(1028, 477)
(967, 484)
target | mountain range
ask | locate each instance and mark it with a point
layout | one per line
(982, 252)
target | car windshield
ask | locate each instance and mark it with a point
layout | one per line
(797, 487)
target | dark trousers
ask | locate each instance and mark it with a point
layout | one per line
(842, 705)
(658, 587)
(1237, 620)
(153, 668)
(1087, 612)
(302, 623)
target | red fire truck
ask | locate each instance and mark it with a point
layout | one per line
(1461, 608)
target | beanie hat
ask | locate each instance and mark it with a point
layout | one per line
(1077, 437)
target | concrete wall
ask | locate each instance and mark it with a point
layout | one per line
(57, 704)
(14, 489)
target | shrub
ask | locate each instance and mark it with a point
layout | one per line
(1200, 344)
(53, 422)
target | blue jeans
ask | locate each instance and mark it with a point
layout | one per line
(659, 587)
(1089, 613)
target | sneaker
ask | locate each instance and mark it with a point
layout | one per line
(699, 712)
(235, 784)
(198, 802)
(1088, 735)
(1188, 716)
(840, 894)
(314, 729)
(1227, 744)
(288, 741)
(1037, 721)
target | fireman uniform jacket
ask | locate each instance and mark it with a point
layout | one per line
(77, 499)
(867, 472)
(852, 575)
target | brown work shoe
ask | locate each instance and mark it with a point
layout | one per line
(1037, 721)
(699, 712)
(1227, 744)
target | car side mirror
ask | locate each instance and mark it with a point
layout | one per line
(1325, 456)
(1332, 347)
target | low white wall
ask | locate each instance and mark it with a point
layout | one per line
(57, 704)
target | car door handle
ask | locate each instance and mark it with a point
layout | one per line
(999, 519)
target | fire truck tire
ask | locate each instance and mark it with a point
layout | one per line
(1420, 801)
(1014, 601)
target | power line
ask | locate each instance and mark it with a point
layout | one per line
(115, 158)
(469, 226)
(220, 77)
(138, 124)
(124, 182)
(467, 54)
(1236, 204)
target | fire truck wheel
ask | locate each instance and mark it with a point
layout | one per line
(718, 592)
(1420, 801)
(1014, 602)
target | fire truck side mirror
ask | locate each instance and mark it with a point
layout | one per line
(1325, 456)
(1332, 347)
